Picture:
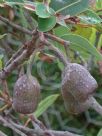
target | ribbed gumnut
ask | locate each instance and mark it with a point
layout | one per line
(77, 81)
(72, 105)
(26, 94)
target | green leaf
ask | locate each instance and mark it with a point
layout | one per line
(83, 44)
(42, 11)
(90, 17)
(13, 2)
(69, 7)
(29, 4)
(46, 24)
(62, 23)
(1, 1)
(45, 104)
(99, 27)
(87, 32)
(2, 36)
(100, 133)
(99, 4)
(1, 57)
(0, 64)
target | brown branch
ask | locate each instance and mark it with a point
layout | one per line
(57, 52)
(4, 107)
(22, 29)
(26, 31)
(6, 123)
(6, 47)
(15, 55)
(95, 105)
(62, 133)
(2, 134)
(25, 131)
(57, 39)
(7, 70)
(28, 50)
(43, 132)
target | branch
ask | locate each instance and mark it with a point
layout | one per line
(57, 52)
(62, 133)
(6, 47)
(2, 134)
(95, 105)
(43, 132)
(6, 123)
(28, 50)
(15, 55)
(22, 29)
(57, 39)
(26, 31)
(7, 70)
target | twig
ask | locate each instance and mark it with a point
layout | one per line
(42, 132)
(2, 134)
(4, 107)
(57, 39)
(6, 71)
(26, 31)
(6, 123)
(19, 59)
(1, 99)
(6, 47)
(39, 125)
(22, 29)
(15, 55)
(57, 52)
(5, 89)
(63, 133)
(95, 105)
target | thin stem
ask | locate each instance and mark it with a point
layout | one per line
(57, 52)
(4, 107)
(29, 68)
(5, 89)
(26, 31)
(13, 65)
(95, 105)
(57, 39)
(43, 132)
(22, 29)
(2, 134)
(8, 124)
(27, 51)
(30, 61)
(15, 55)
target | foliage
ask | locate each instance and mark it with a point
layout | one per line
(79, 26)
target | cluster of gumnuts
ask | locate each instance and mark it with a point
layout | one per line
(76, 88)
